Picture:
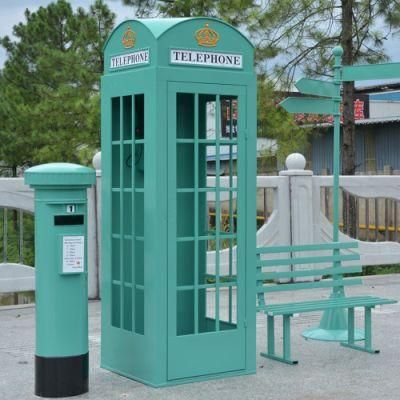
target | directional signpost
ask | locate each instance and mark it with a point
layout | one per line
(316, 87)
(308, 105)
(328, 103)
(370, 71)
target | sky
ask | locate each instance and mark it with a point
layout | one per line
(12, 12)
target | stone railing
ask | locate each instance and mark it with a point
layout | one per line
(297, 217)
(16, 197)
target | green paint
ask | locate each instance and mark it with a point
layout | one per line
(370, 72)
(156, 97)
(334, 324)
(316, 87)
(61, 299)
(313, 272)
(311, 285)
(308, 105)
(308, 260)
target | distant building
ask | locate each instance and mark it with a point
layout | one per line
(377, 115)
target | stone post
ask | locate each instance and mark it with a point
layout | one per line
(301, 206)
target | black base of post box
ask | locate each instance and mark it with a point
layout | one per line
(61, 376)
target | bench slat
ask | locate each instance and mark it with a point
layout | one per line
(308, 285)
(319, 305)
(309, 272)
(336, 300)
(307, 260)
(330, 302)
(307, 247)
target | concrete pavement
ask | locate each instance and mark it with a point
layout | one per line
(326, 371)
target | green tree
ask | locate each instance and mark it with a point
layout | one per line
(236, 12)
(275, 123)
(298, 35)
(49, 87)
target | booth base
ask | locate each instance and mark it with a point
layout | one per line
(183, 381)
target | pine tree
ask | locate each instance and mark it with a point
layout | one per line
(49, 87)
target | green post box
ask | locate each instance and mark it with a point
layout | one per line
(61, 360)
(178, 129)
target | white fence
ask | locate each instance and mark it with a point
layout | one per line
(296, 218)
(17, 277)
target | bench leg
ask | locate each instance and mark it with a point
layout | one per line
(368, 332)
(271, 341)
(271, 335)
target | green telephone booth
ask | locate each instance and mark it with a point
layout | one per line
(179, 186)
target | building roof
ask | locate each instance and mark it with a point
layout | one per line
(381, 120)
(366, 121)
(378, 88)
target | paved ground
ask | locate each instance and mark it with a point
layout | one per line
(326, 370)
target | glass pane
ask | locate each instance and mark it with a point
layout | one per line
(115, 213)
(115, 260)
(127, 117)
(204, 258)
(127, 258)
(185, 115)
(228, 308)
(185, 263)
(116, 305)
(185, 216)
(139, 262)
(127, 166)
(139, 311)
(185, 312)
(127, 308)
(115, 118)
(185, 166)
(139, 116)
(207, 310)
(139, 214)
(229, 117)
(115, 159)
(127, 209)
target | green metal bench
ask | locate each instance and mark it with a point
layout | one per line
(337, 300)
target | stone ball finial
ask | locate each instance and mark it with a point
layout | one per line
(97, 161)
(295, 161)
(337, 51)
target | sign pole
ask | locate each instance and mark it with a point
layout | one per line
(333, 324)
(337, 52)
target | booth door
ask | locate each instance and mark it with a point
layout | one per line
(206, 277)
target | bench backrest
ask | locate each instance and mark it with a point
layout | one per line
(336, 270)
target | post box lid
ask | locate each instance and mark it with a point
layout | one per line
(60, 174)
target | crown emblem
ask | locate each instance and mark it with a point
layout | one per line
(207, 37)
(129, 38)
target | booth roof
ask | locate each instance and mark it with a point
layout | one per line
(158, 26)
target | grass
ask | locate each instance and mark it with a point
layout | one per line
(377, 270)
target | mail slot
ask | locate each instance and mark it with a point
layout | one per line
(69, 220)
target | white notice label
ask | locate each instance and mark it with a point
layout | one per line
(130, 60)
(206, 58)
(73, 254)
